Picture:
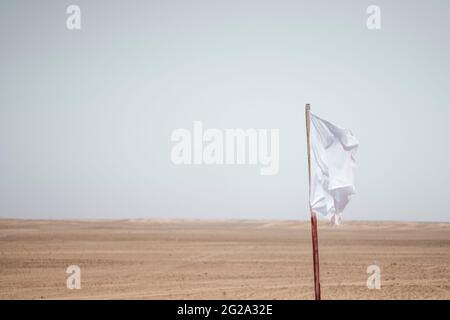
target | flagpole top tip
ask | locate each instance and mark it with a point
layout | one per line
(308, 107)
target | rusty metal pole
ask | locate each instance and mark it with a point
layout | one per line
(315, 240)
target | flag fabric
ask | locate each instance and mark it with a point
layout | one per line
(333, 152)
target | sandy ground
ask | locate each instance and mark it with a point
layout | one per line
(155, 259)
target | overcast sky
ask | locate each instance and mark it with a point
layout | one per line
(86, 115)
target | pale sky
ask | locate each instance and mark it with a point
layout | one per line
(86, 116)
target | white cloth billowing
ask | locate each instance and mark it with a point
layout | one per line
(333, 152)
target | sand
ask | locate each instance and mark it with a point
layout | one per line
(175, 259)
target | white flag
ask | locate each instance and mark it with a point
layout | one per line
(332, 162)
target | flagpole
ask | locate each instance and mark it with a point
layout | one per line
(315, 242)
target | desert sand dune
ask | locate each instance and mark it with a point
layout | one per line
(226, 259)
